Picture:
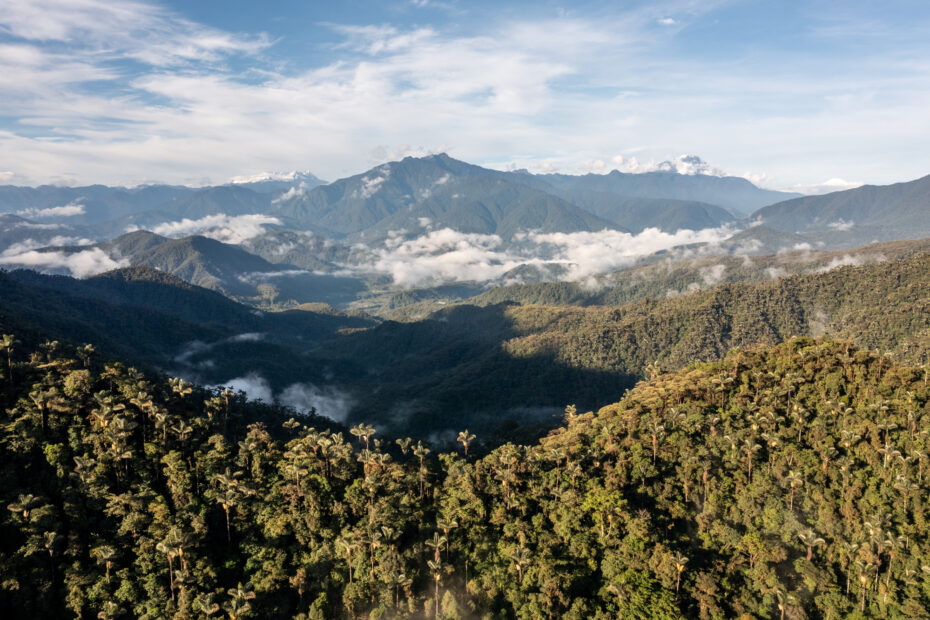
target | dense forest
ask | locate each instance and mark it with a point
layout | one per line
(783, 481)
(505, 371)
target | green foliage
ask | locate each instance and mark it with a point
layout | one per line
(779, 482)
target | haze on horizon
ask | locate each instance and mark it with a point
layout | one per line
(135, 92)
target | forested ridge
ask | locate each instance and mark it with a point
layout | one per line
(784, 481)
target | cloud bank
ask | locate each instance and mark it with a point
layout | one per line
(225, 228)
(81, 264)
(69, 210)
(446, 255)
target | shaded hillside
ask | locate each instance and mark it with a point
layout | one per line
(781, 482)
(506, 366)
(148, 317)
(230, 269)
(481, 365)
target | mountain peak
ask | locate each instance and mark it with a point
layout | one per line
(294, 176)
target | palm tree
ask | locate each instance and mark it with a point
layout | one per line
(363, 432)
(167, 547)
(848, 550)
(238, 605)
(105, 555)
(785, 599)
(656, 431)
(520, 558)
(180, 387)
(435, 567)
(206, 605)
(680, 562)
(7, 344)
(349, 547)
(750, 448)
(228, 495)
(465, 438)
(25, 504)
(404, 445)
(794, 480)
(866, 569)
(810, 540)
(85, 353)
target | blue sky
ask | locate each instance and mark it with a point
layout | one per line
(788, 94)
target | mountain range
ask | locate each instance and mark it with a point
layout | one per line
(369, 240)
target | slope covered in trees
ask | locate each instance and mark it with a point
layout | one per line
(781, 482)
(486, 368)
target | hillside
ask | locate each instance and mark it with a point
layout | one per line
(502, 369)
(781, 482)
(153, 319)
(230, 269)
(734, 193)
(899, 211)
(670, 275)
(452, 193)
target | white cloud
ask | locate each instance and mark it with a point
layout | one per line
(142, 31)
(255, 387)
(444, 255)
(181, 112)
(69, 210)
(854, 260)
(591, 253)
(327, 401)
(841, 225)
(683, 164)
(269, 176)
(370, 185)
(447, 255)
(32, 244)
(293, 192)
(828, 186)
(667, 21)
(713, 274)
(775, 272)
(225, 228)
(81, 264)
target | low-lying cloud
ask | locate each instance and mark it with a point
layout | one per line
(294, 192)
(225, 228)
(591, 253)
(69, 210)
(303, 397)
(851, 260)
(82, 264)
(327, 400)
(32, 244)
(446, 255)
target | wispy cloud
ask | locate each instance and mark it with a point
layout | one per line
(69, 210)
(125, 92)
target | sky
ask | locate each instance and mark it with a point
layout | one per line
(791, 95)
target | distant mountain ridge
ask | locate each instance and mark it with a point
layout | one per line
(469, 198)
(901, 210)
(405, 195)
